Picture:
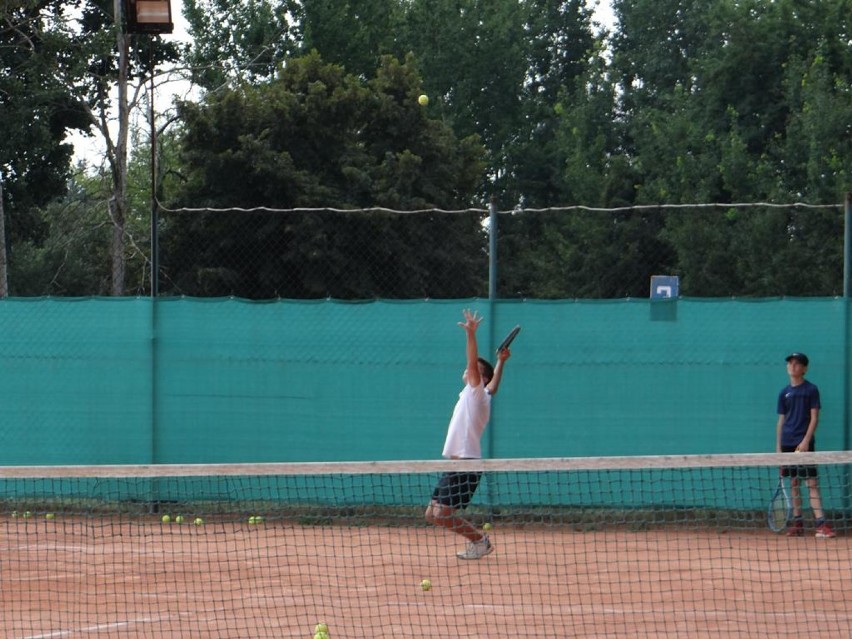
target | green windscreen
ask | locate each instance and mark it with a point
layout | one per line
(117, 381)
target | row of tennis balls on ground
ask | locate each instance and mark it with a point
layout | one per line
(27, 514)
(167, 519)
(198, 521)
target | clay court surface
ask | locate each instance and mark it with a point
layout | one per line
(93, 578)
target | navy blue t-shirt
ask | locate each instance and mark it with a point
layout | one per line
(795, 403)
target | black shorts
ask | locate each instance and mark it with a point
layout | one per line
(456, 489)
(798, 471)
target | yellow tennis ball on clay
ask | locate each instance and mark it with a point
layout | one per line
(166, 519)
(487, 526)
(426, 584)
(321, 627)
(198, 521)
(252, 520)
(49, 516)
(27, 514)
(423, 100)
(321, 635)
(179, 519)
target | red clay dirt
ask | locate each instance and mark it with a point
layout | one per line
(70, 578)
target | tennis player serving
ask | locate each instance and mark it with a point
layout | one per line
(464, 434)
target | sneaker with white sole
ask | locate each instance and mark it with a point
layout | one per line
(476, 549)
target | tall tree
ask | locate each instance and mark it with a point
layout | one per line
(494, 68)
(560, 51)
(354, 35)
(473, 57)
(736, 101)
(240, 40)
(731, 100)
(708, 84)
(64, 64)
(319, 137)
(37, 109)
(116, 62)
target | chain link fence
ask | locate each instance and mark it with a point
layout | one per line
(741, 250)
(716, 250)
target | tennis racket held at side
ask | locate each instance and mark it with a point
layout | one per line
(509, 338)
(780, 508)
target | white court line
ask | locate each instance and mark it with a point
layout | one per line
(98, 628)
(56, 634)
(669, 614)
(48, 546)
(202, 616)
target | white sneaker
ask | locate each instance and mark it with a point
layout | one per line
(476, 549)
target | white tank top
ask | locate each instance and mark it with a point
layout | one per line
(470, 417)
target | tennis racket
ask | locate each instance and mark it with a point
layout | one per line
(509, 338)
(780, 509)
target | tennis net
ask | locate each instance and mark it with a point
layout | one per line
(584, 547)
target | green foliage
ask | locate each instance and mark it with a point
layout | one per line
(499, 69)
(582, 254)
(733, 102)
(71, 256)
(240, 40)
(319, 137)
(734, 99)
(59, 67)
(559, 80)
(494, 69)
(37, 108)
(312, 103)
(354, 35)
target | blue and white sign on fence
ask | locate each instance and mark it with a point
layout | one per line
(665, 286)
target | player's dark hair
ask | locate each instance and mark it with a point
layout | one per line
(488, 373)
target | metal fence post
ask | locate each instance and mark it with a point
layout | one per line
(492, 249)
(847, 294)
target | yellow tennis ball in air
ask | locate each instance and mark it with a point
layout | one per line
(198, 521)
(321, 627)
(423, 99)
(426, 584)
(166, 519)
(487, 526)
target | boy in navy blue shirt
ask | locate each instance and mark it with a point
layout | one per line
(798, 416)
